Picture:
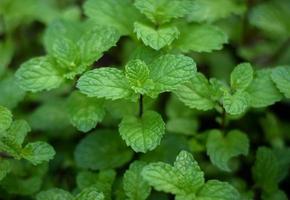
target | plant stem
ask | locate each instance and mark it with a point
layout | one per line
(141, 105)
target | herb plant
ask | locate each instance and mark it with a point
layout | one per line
(144, 99)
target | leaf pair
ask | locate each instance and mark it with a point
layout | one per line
(12, 135)
(186, 180)
(67, 56)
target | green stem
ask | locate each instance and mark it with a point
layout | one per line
(141, 106)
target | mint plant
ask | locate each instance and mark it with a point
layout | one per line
(144, 99)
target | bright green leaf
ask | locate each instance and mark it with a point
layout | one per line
(5, 118)
(237, 103)
(54, 194)
(90, 193)
(142, 133)
(242, 76)
(156, 38)
(281, 77)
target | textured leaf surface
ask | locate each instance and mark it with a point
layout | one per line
(237, 103)
(217, 190)
(102, 149)
(281, 77)
(156, 38)
(200, 38)
(38, 152)
(135, 187)
(118, 14)
(108, 83)
(162, 11)
(54, 194)
(169, 71)
(185, 177)
(18, 131)
(90, 194)
(38, 74)
(222, 148)
(242, 76)
(196, 93)
(5, 118)
(262, 91)
(85, 112)
(142, 134)
(210, 11)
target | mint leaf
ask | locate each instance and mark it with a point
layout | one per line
(156, 38)
(90, 194)
(95, 42)
(10, 146)
(54, 194)
(266, 170)
(5, 118)
(237, 103)
(162, 11)
(170, 70)
(142, 134)
(241, 76)
(262, 91)
(137, 74)
(18, 131)
(217, 190)
(38, 152)
(103, 149)
(210, 11)
(185, 177)
(200, 38)
(108, 83)
(118, 14)
(38, 74)
(135, 187)
(5, 168)
(85, 112)
(281, 77)
(221, 148)
(196, 93)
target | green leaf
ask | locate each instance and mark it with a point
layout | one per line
(118, 14)
(168, 71)
(217, 190)
(162, 11)
(91, 193)
(108, 83)
(95, 42)
(54, 194)
(185, 177)
(7, 98)
(137, 74)
(85, 112)
(142, 133)
(38, 152)
(18, 131)
(196, 93)
(5, 168)
(102, 149)
(276, 12)
(210, 11)
(163, 177)
(66, 52)
(156, 38)
(38, 74)
(281, 77)
(262, 91)
(10, 146)
(237, 103)
(5, 118)
(193, 177)
(221, 148)
(186, 126)
(200, 38)
(242, 76)
(135, 187)
(266, 170)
